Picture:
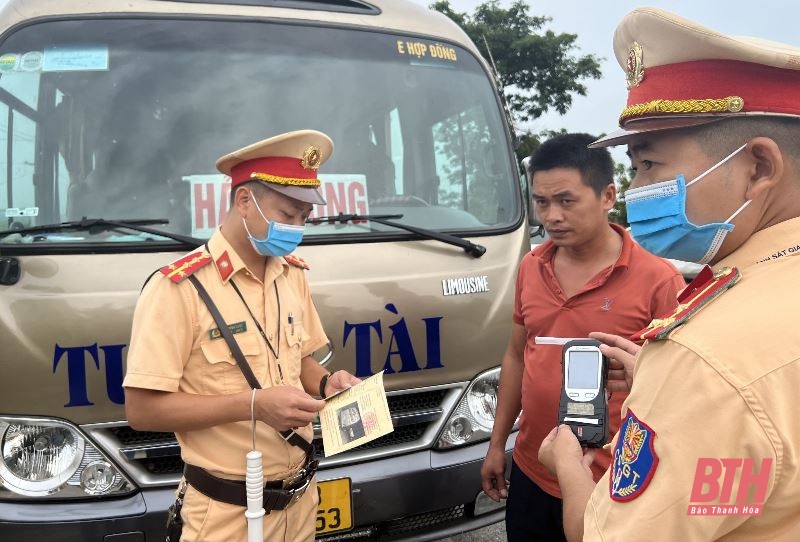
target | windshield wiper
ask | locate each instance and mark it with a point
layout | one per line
(94, 225)
(469, 247)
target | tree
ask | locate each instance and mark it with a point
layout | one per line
(536, 67)
(622, 176)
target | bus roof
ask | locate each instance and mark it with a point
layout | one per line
(398, 15)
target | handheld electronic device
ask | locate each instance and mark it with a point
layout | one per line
(584, 403)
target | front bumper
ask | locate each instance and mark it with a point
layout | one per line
(421, 496)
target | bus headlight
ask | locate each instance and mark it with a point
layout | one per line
(473, 418)
(42, 457)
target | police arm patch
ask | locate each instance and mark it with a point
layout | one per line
(634, 460)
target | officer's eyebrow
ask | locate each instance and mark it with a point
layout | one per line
(638, 147)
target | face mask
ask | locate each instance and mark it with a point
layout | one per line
(281, 239)
(657, 215)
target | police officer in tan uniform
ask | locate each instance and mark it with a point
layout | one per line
(182, 377)
(709, 447)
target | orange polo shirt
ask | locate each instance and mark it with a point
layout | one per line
(621, 299)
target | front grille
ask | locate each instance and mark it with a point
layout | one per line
(401, 435)
(154, 457)
(128, 436)
(426, 521)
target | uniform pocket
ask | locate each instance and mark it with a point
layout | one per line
(296, 336)
(222, 373)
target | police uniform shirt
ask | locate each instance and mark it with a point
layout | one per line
(176, 346)
(724, 385)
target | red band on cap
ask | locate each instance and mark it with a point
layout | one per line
(763, 89)
(285, 170)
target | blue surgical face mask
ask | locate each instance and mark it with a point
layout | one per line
(657, 215)
(281, 239)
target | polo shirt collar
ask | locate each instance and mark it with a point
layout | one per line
(623, 261)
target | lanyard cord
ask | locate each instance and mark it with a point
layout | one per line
(260, 330)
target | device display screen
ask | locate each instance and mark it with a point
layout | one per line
(583, 370)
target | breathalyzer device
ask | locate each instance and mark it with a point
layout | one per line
(584, 403)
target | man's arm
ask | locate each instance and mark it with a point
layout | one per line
(282, 407)
(509, 404)
(311, 374)
(562, 454)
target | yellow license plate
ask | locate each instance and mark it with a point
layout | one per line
(335, 510)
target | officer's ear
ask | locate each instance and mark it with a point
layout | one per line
(767, 166)
(241, 200)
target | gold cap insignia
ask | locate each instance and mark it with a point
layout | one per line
(634, 69)
(311, 157)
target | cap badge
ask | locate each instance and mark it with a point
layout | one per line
(634, 72)
(311, 157)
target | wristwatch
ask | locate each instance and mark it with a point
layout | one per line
(323, 383)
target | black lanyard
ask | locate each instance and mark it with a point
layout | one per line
(260, 330)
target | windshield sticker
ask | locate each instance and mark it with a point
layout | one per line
(421, 49)
(465, 285)
(8, 62)
(31, 61)
(209, 195)
(66, 59)
(22, 211)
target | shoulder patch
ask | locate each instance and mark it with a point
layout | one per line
(296, 261)
(633, 461)
(182, 268)
(706, 286)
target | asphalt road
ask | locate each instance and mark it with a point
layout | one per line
(492, 533)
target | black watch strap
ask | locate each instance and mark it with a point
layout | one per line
(323, 383)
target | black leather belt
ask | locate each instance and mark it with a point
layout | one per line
(278, 494)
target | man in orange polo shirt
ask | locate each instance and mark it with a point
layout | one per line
(182, 376)
(589, 276)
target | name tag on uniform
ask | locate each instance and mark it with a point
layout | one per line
(238, 327)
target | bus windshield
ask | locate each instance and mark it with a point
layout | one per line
(123, 119)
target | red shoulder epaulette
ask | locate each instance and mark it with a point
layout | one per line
(296, 261)
(180, 269)
(705, 287)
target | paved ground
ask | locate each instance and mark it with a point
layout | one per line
(492, 533)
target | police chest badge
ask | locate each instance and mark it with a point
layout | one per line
(634, 460)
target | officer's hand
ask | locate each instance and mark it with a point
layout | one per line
(493, 474)
(621, 354)
(286, 407)
(338, 381)
(560, 450)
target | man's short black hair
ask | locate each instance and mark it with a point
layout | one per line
(572, 151)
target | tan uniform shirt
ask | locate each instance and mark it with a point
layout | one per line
(175, 346)
(723, 385)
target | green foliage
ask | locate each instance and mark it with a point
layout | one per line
(623, 175)
(535, 66)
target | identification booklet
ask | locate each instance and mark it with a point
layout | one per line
(355, 416)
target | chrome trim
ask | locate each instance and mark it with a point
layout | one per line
(148, 451)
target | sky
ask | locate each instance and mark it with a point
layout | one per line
(594, 22)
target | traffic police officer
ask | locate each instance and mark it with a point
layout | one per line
(181, 374)
(709, 447)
